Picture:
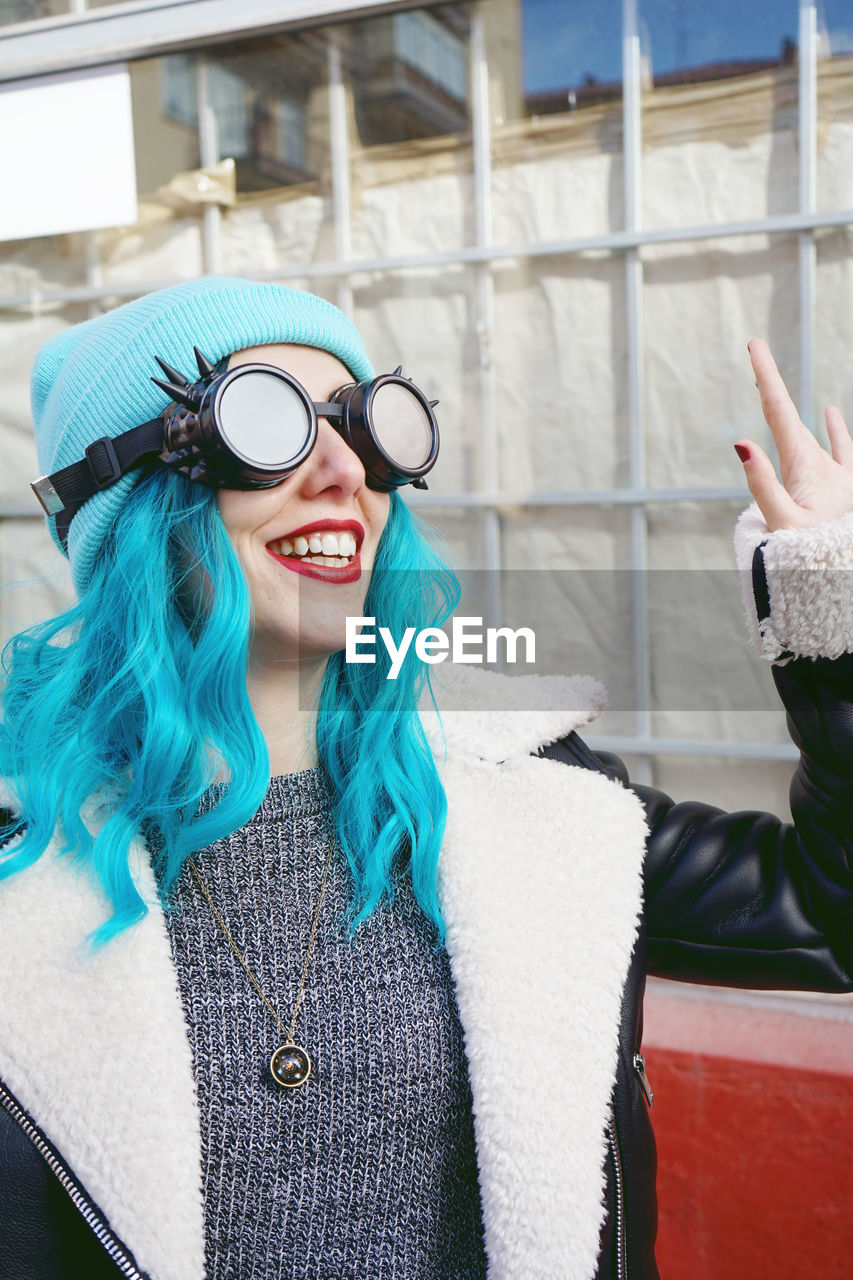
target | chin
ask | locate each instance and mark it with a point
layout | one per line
(309, 624)
(316, 640)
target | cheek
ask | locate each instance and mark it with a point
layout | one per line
(240, 509)
(380, 513)
(244, 512)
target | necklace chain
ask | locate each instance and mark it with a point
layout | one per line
(223, 926)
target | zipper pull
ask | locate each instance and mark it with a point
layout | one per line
(640, 1068)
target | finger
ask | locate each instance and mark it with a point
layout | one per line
(779, 509)
(780, 412)
(839, 437)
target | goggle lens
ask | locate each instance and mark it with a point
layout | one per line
(401, 426)
(263, 419)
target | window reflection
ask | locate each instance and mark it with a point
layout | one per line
(835, 26)
(165, 120)
(572, 57)
(411, 157)
(268, 97)
(28, 10)
(399, 116)
(555, 73)
(835, 104)
(406, 77)
(691, 40)
(719, 110)
(410, 74)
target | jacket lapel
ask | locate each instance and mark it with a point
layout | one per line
(541, 892)
(95, 1049)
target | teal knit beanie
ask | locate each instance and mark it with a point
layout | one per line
(93, 379)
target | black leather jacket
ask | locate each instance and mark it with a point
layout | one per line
(739, 899)
(734, 899)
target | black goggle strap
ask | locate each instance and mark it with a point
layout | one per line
(106, 461)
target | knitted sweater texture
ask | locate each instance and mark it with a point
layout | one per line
(367, 1170)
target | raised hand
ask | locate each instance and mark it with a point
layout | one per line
(815, 487)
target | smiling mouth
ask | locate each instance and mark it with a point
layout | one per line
(328, 549)
(326, 555)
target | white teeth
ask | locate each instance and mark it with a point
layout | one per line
(334, 550)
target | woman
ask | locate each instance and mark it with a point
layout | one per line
(299, 1042)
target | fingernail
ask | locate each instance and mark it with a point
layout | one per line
(742, 452)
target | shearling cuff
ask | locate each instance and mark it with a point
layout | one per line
(797, 587)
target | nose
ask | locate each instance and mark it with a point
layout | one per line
(331, 465)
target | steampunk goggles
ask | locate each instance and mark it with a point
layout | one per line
(250, 428)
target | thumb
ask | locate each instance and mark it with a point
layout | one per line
(776, 504)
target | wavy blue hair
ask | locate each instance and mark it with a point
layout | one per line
(137, 695)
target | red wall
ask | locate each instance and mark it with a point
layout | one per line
(755, 1177)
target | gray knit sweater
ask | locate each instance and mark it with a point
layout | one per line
(368, 1170)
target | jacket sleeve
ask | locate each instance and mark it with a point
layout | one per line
(744, 899)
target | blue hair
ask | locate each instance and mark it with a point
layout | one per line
(135, 700)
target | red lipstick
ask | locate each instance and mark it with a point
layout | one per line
(323, 572)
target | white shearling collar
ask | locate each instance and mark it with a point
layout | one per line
(494, 717)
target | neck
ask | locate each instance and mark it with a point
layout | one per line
(283, 697)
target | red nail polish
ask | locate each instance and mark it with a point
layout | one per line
(742, 452)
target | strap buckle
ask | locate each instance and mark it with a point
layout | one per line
(108, 459)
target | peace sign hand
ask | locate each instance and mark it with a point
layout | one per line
(815, 488)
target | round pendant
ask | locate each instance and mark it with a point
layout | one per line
(290, 1066)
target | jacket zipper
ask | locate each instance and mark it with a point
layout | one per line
(639, 1063)
(78, 1198)
(621, 1236)
(621, 1242)
(640, 1068)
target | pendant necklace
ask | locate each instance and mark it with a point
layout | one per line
(290, 1065)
